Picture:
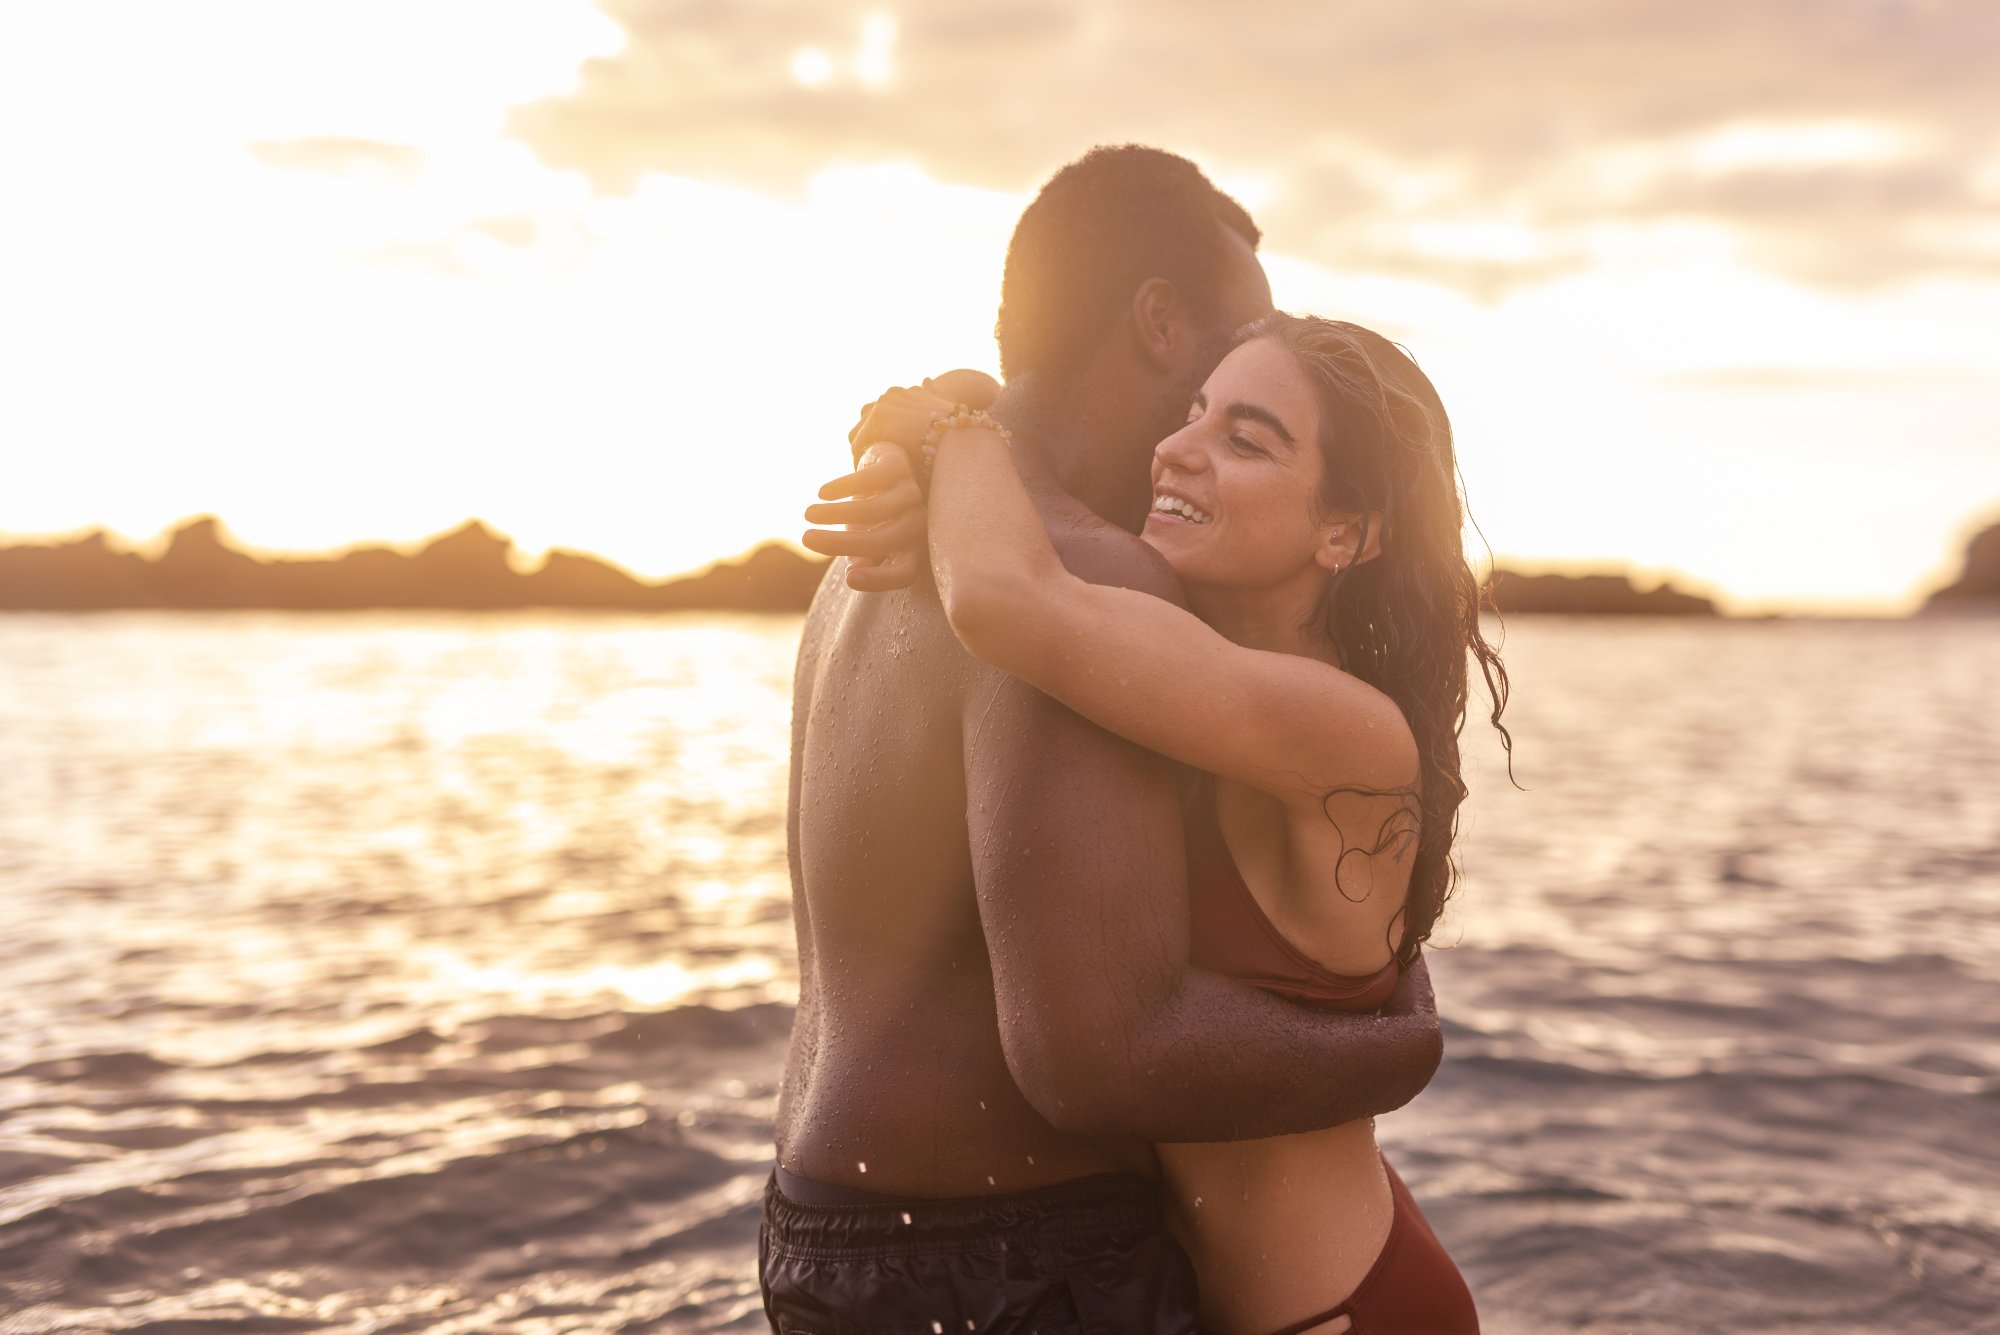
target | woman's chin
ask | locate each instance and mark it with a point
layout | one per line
(1161, 540)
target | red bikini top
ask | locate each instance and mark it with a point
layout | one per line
(1230, 934)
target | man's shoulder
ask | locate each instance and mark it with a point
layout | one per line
(1098, 552)
(824, 611)
(880, 637)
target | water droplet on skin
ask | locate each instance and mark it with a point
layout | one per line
(862, 1166)
(906, 1216)
(937, 1328)
(989, 1180)
(1031, 1158)
(1197, 1202)
(982, 1105)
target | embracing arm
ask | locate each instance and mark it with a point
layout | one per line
(1078, 864)
(1142, 666)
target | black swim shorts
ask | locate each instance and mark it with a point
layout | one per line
(1089, 1257)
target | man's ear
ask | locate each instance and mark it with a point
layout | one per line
(1160, 324)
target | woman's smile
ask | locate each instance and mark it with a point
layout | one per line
(1170, 507)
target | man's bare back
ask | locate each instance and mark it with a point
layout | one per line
(898, 1079)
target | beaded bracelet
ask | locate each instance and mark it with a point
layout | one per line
(957, 417)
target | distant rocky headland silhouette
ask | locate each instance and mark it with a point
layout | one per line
(471, 567)
(467, 568)
(1595, 595)
(1978, 588)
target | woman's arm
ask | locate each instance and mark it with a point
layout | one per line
(1138, 665)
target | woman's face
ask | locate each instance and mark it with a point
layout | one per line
(1235, 491)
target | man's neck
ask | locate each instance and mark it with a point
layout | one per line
(1090, 453)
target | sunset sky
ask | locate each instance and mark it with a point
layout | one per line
(1711, 289)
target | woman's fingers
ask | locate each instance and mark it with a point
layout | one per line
(857, 483)
(855, 514)
(876, 509)
(905, 532)
(891, 459)
(880, 506)
(839, 542)
(884, 576)
(882, 468)
(872, 542)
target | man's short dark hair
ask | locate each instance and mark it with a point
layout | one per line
(1100, 227)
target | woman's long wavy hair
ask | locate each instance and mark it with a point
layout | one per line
(1405, 621)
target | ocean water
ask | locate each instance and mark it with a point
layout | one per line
(396, 973)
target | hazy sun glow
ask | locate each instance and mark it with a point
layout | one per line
(811, 67)
(285, 264)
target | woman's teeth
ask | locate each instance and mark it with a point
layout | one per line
(1174, 505)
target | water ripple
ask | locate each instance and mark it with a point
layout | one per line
(387, 973)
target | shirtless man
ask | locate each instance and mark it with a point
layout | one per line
(996, 1015)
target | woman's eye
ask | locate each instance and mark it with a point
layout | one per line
(1245, 445)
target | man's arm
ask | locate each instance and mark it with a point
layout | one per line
(1077, 859)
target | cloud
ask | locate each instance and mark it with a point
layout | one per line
(516, 229)
(471, 250)
(1484, 143)
(339, 156)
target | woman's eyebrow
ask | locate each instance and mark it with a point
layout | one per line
(1251, 412)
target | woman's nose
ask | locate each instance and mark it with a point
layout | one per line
(1181, 451)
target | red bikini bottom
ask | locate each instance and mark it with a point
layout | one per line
(1412, 1289)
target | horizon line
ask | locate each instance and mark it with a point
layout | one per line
(1641, 577)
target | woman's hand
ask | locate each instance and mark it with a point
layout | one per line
(883, 511)
(903, 415)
